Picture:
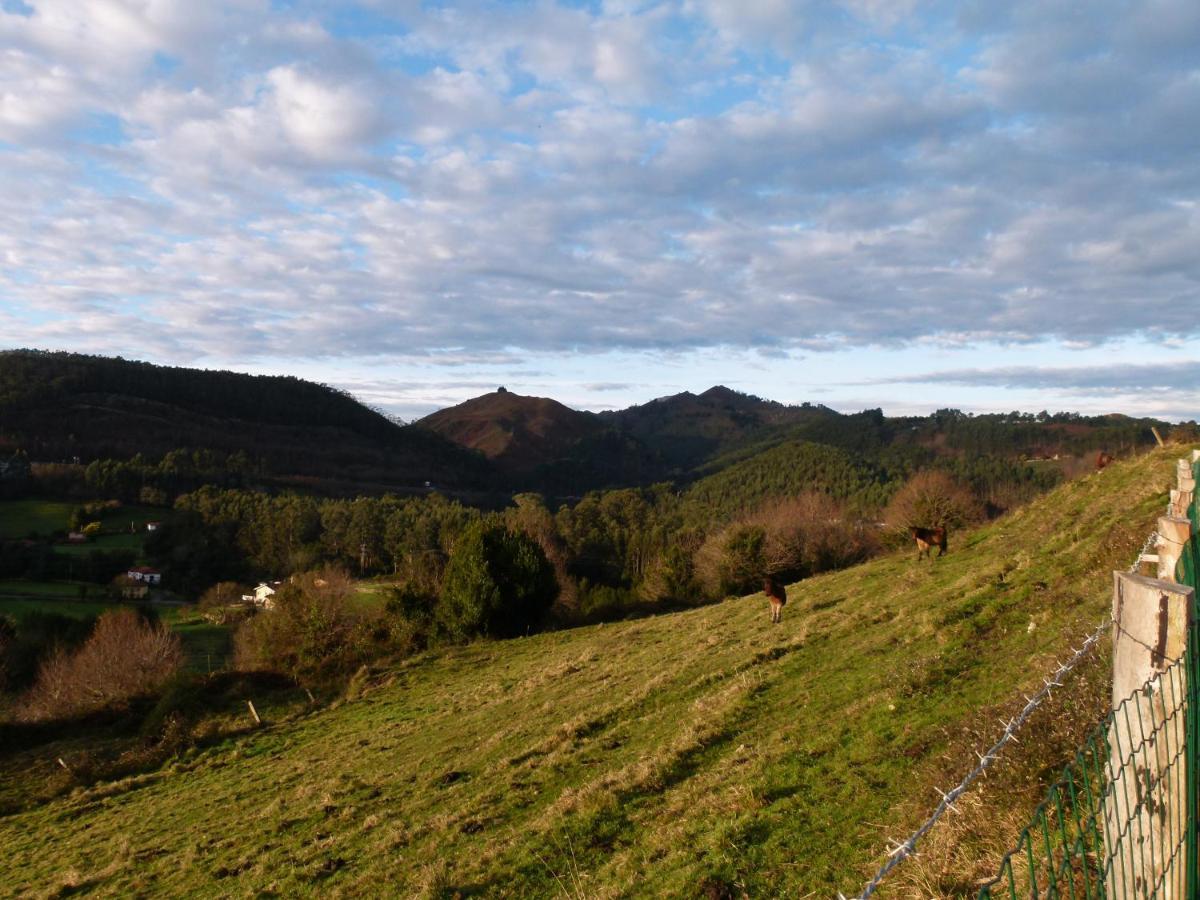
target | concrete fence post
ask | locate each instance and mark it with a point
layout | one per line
(1147, 788)
(1186, 483)
(1173, 533)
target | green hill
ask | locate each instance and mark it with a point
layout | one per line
(785, 470)
(704, 753)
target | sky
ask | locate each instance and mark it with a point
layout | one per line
(867, 203)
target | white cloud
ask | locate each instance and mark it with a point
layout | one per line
(246, 181)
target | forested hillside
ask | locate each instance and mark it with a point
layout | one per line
(65, 407)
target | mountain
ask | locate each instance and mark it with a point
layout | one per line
(539, 443)
(519, 433)
(63, 406)
(689, 429)
(66, 406)
(704, 753)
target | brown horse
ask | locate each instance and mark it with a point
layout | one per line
(1103, 459)
(777, 594)
(927, 539)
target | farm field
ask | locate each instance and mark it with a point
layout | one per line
(103, 542)
(20, 518)
(78, 609)
(701, 753)
(17, 587)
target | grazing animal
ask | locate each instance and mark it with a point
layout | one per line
(927, 539)
(777, 594)
(1103, 459)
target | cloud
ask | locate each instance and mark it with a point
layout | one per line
(478, 181)
(1121, 378)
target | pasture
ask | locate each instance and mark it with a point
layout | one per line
(700, 753)
(50, 590)
(39, 518)
(118, 541)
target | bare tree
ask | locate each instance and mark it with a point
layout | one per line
(932, 499)
(125, 656)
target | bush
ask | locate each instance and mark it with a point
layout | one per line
(314, 630)
(124, 657)
(809, 534)
(932, 499)
(32, 639)
(497, 583)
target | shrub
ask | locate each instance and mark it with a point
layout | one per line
(34, 636)
(124, 657)
(313, 631)
(497, 583)
(733, 560)
(932, 499)
(809, 534)
(672, 576)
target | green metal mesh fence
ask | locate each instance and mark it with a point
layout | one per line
(1108, 827)
(1121, 820)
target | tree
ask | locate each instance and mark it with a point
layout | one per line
(125, 656)
(530, 517)
(932, 499)
(497, 583)
(313, 631)
(734, 560)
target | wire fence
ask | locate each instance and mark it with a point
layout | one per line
(1121, 819)
(1110, 826)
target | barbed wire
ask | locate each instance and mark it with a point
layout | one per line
(902, 850)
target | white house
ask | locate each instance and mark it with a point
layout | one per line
(145, 574)
(262, 595)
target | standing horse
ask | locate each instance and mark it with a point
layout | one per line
(777, 594)
(927, 539)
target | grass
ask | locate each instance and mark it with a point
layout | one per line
(77, 609)
(702, 753)
(21, 518)
(17, 587)
(208, 647)
(103, 542)
(372, 594)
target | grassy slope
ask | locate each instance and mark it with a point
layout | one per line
(657, 757)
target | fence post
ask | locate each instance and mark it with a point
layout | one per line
(1173, 533)
(1145, 815)
(1186, 483)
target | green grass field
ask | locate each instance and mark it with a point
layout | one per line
(78, 609)
(702, 753)
(20, 518)
(15, 587)
(208, 647)
(132, 542)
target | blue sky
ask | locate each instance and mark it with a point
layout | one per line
(861, 203)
